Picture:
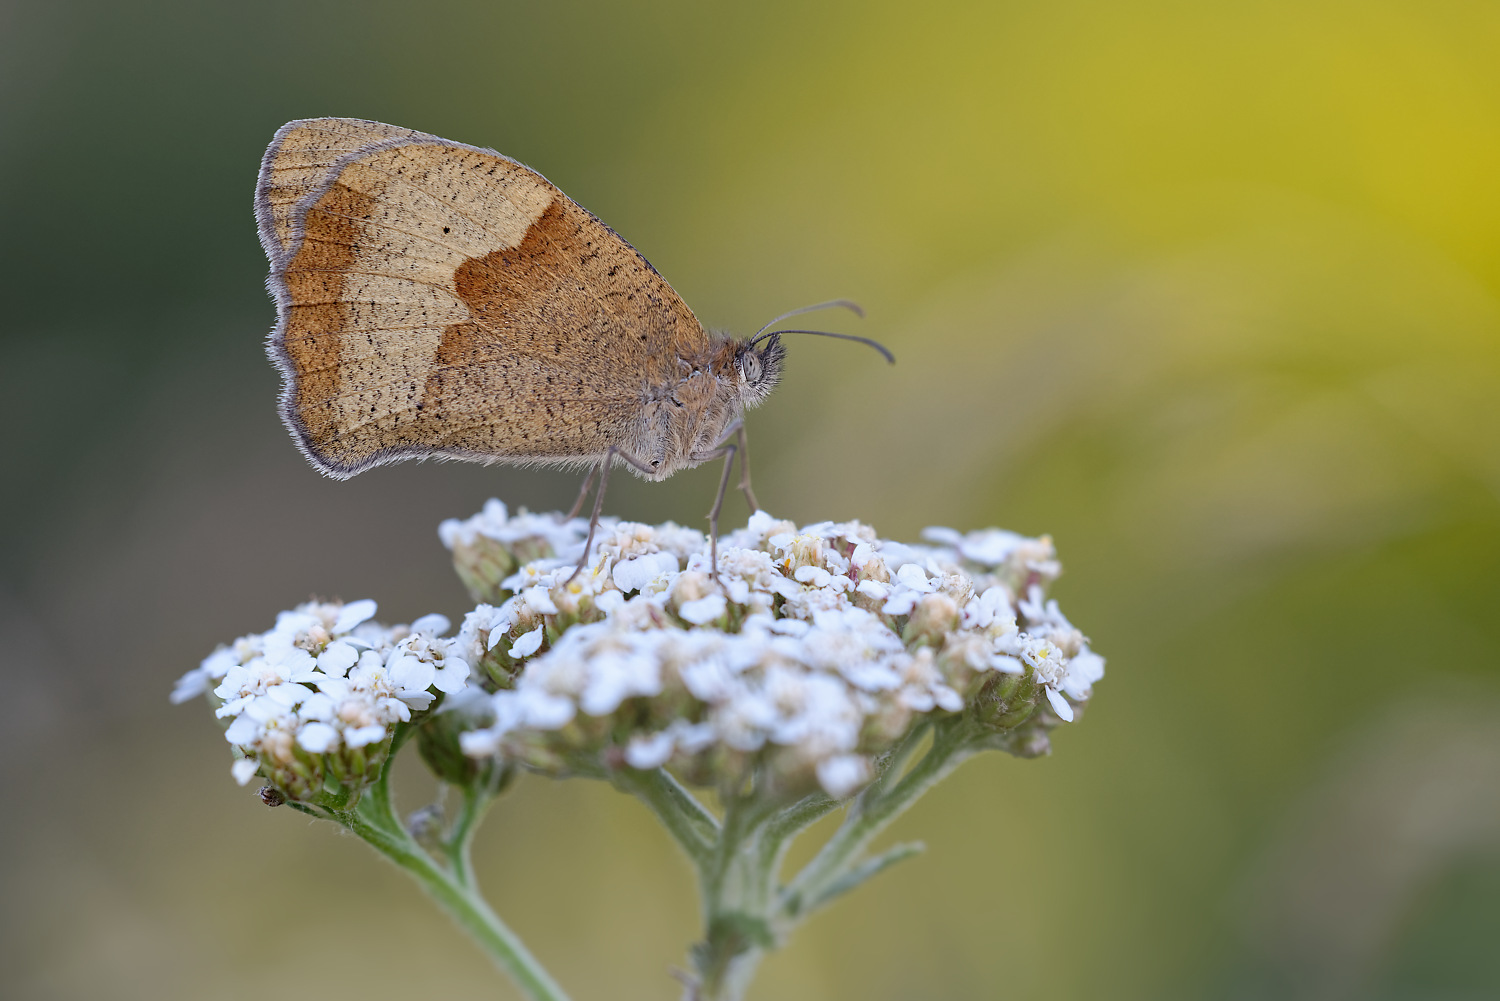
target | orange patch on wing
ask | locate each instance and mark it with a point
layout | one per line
(521, 307)
(316, 317)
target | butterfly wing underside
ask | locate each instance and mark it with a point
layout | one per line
(436, 299)
(298, 160)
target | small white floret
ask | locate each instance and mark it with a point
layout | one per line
(703, 610)
(842, 774)
(649, 751)
(527, 643)
(317, 738)
(352, 615)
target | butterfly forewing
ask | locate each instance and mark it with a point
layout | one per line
(298, 161)
(441, 299)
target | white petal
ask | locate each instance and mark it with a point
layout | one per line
(242, 731)
(433, 624)
(453, 676)
(296, 664)
(649, 751)
(634, 574)
(317, 738)
(540, 600)
(287, 696)
(1060, 706)
(914, 577)
(1007, 665)
(814, 576)
(947, 698)
(364, 735)
(399, 709)
(337, 659)
(352, 615)
(218, 663)
(234, 707)
(317, 706)
(945, 536)
(901, 602)
(547, 712)
(990, 547)
(244, 770)
(263, 708)
(842, 774)
(335, 688)
(479, 743)
(190, 686)
(703, 610)
(527, 643)
(409, 674)
(414, 700)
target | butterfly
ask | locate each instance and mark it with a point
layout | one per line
(436, 299)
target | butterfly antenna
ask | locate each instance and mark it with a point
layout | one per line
(828, 333)
(852, 307)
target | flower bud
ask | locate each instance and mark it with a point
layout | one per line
(935, 616)
(438, 742)
(482, 564)
(1005, 701)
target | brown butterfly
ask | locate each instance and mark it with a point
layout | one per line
(438, 299)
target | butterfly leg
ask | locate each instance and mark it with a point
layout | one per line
(588, 481)
(744, 443)
(728, 450)
(603, 470)
(737, 432)
(713, 515)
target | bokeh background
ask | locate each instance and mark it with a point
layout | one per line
(1209, 292)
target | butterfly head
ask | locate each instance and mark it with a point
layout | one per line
(759, 369)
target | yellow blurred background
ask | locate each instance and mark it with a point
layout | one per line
(1210, 292)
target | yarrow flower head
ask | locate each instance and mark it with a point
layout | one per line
(315, 700)
(809, 654)
(815, 650)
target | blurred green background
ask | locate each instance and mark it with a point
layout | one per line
(1210, 292)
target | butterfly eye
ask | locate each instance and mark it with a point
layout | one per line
(750, 367)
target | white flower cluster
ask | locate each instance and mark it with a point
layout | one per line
(321, 692)
(814, 652)
(810, 654)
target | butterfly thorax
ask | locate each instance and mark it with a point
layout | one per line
(686, 421)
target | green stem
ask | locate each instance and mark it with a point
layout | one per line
(463, 904)
(375, 820)
(461, 836)
(738, 896)
(827, 874)
(690, 824)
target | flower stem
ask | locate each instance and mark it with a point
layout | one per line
(463, 904)
(461, 836)
(693, 828)
(452, 887)
(738, 896)
(828, 874)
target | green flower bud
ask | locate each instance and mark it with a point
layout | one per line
(482, 563)
(935, 616)
(1005, 701)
